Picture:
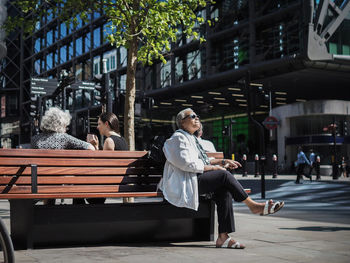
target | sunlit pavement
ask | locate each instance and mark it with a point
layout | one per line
(314, 226)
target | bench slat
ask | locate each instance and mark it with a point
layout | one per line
(85, 195)
(12, 170)
(74, 162)
(79, 189)
(71, 153)
(4, 180)
(81, 195)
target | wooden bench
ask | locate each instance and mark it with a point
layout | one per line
(28, 175)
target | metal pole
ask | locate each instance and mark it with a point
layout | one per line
(261, 134)
(334, 133)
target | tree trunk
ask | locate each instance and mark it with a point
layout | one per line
(129, 132)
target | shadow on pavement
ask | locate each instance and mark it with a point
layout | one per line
(318, 228)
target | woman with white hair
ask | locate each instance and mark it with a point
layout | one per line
(188, 173)
(53, 126)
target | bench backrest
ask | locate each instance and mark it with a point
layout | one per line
(33, 173)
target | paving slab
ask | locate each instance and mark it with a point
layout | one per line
(305, 230)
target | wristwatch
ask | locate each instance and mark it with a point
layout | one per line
(223, 161)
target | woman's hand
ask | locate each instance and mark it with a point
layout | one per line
(93, 139)
(230, 164)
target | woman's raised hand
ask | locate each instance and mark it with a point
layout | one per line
(93, 139)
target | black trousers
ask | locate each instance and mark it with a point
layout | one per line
(224, 187)
(300, 171)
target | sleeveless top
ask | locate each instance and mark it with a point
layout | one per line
(119, 143)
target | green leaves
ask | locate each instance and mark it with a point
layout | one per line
(152, 24)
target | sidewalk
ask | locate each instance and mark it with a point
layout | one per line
(307, 229)
(269, 239)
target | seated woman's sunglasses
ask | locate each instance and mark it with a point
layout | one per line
(193, 116)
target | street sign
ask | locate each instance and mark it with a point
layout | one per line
(271, 122)
(42, 86)
(85, 85)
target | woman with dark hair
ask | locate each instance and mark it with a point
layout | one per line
(108, 126)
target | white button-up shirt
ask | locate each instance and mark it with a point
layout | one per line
(179, 182)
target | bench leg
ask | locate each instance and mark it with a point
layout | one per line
(22, 219)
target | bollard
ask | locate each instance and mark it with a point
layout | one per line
(318, 168)
(244, 165)
(274, 166)
(262, 160)
(256, 162)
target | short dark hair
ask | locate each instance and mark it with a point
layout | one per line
(112, 120)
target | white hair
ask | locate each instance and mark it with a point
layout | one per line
(55, 120)
(181, 115)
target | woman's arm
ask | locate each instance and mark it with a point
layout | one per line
(108, 145)
(213, 168)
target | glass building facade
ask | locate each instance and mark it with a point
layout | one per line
(268, 39)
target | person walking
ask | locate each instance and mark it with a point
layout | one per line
(344, 166)
(318, 168)
(312, 159)
(301, 162)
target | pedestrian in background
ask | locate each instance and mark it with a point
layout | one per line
(312, 159)
(318, 168)
(344, 166)
(301, 162)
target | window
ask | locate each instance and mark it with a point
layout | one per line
(87, 43)
(122, 83)
(194, 65)
(37, 67)
(63, 57)
(80, 22)
(113, 62)
(12, 105)
(106, 31)
(79, 46)
(37, 45)
(70, 28)
(96, 15)
(49, 61)
(49, 15)
(70, 50)
(178, 70)
(165, 75)
(49, 39)
(123, 56)
(63, 30)
(97, 37)
(97, 65)
(56, 33)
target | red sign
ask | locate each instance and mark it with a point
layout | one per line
(271, 122)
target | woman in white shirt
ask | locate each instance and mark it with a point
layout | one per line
(188, 173)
